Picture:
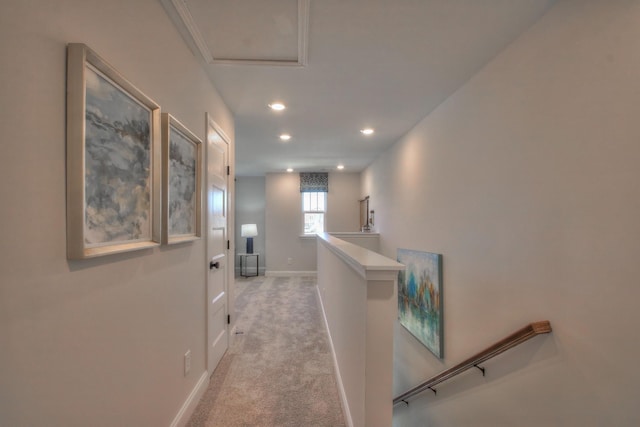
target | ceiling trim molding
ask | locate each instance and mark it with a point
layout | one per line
(303, 31)
(196, 36)
(192, 28)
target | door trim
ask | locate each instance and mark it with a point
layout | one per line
(211, 124)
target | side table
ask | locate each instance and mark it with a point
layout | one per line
(244, 264)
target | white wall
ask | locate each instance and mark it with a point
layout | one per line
(357, 290)
(343, 293)
(366, 240)
(250, 209)
(284, 218)
(97, 342)
(526, 179)
(342, 202)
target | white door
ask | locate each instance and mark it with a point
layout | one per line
(217, 208)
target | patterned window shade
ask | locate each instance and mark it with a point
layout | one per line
(311, 182)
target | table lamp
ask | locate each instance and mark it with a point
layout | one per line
(249, 231)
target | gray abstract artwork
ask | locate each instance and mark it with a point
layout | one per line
(117, 164)
(182, 184)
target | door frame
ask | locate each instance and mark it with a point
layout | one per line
(211, 125)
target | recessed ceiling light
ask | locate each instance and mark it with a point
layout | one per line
(340, 167)
(367, 131)
(289, 170)
(285, 137)
(277, 106)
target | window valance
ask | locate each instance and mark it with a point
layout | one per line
(311, 182)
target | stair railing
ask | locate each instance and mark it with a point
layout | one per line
(518, 337)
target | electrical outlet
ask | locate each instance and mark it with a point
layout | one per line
(289, 261)
(187, 362)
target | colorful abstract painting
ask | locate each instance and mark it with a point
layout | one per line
(420, 297)
(182, 184)
(117, 164)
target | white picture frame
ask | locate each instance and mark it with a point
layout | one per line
(181, 182)
(113, 160)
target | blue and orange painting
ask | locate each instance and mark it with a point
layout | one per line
(420, 297)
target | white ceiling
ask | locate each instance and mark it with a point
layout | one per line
(379, 63)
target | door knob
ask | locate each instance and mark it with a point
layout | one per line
(213, 265)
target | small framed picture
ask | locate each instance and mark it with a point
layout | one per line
(182, 177)
(113, 160)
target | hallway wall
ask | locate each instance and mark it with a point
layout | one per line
(97, 342)
(526, 180)
(284, 218)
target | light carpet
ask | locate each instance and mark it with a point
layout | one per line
(279, 370)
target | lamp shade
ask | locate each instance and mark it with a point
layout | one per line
(249, 230)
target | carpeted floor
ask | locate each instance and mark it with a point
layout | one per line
(279, 370)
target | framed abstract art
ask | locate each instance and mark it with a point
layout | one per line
(113, 160)
(420, 298)
(181, 182)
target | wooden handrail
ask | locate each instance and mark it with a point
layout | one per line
(518, 337)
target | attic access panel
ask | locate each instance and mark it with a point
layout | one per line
(271, 32)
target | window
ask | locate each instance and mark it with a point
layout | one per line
(313, 188)
(314, 206)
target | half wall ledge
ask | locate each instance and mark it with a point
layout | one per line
(357, 289)
(368, 264)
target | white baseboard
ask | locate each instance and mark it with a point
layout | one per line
(289, 273)
(190, 404)
(341, 391)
